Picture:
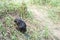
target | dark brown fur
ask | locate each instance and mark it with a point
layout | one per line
(21, 25)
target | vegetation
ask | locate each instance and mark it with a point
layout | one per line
(46, 2)
(36, 29)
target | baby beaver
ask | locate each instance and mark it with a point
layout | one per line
(21, 25)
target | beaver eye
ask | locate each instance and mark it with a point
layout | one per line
(14, 20)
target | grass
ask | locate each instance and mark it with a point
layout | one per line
(9, 7)
(13, 35)
(8, 21)
(46, 2)
(33, 32)
(46, 33)
(53, 15)
(2, 30)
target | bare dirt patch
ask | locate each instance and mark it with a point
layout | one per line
(41, 14)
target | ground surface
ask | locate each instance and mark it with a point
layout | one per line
(42, 15)
(36, 27)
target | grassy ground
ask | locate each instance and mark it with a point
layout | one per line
(42, 19)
